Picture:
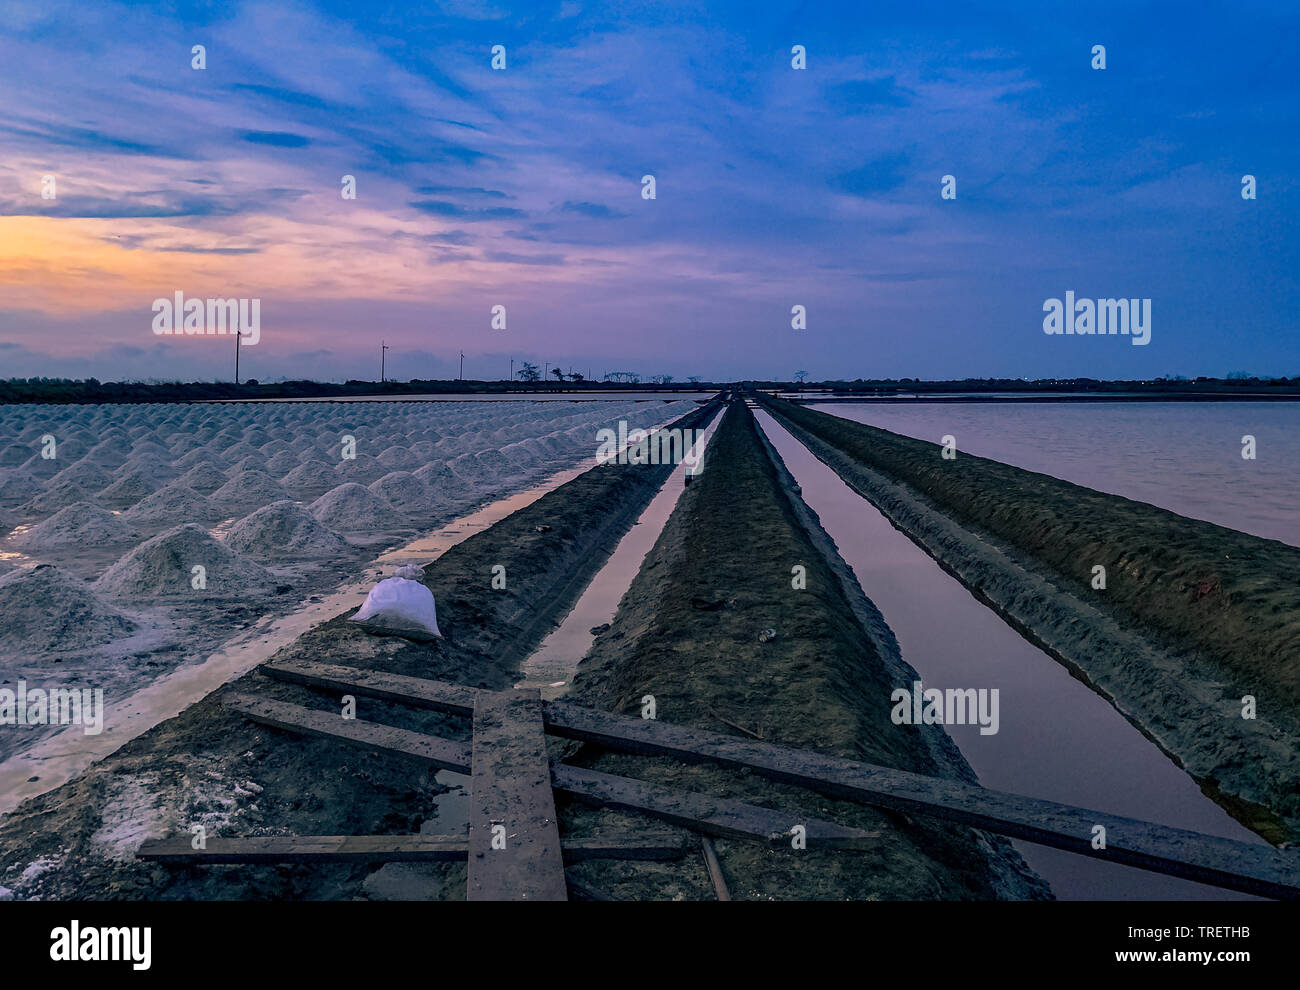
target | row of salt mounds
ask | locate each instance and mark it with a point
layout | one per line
(80, 524)
(164, 566)
(284, 526)
(351, 508)
(47, 611)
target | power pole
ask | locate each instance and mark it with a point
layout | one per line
(512, 369)
(239, 336)
(462, 366)
(383, 349)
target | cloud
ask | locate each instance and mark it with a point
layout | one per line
(276, 139)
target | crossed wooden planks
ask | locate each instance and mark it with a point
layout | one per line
(510, 772)
(1253, 868)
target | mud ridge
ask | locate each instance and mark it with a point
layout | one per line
(692, 632)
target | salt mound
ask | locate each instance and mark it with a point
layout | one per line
(55, 496)
(352, 507)
(467, 467)
(46, 610)
(361, 468)
(283, 526)
(311, 475)
(282, 463)
(440, 479)
(14, 454)
(79, 524)
(402, 490)
(7, 521)
(175, 503)
(253, 462)
(249, 487)
(87, 474)
(200, 455)
(131, 487)
(397, 458)
(18, 484)
(165, 566)
(203, 477)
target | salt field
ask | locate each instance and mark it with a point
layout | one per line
(139, 538)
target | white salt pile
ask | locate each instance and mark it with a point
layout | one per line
(46, 611)
(80, 524)
(173, 504)
(310, 476)
(130, 488)
(284, 527)
(87, 474)
(183, 561)
(203, 477)
(249, 488)
(352, 507)
(403, 490)
(53, 497)
(18, 483)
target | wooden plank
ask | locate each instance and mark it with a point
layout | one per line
(441, 753)
(309, 849)
(388, 849)
(720, 817)
(1255, 869)
(715, 869)
(417, 692)
(514, 838)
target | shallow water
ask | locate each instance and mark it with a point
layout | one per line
(1057, 740)
(550, 668)
(1182, 456)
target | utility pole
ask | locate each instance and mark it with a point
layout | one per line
(239, 337)
(512, 369)
(383, 353)
(462, 365)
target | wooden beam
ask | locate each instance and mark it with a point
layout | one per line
(514, 837)
(720, 817)
(442, 753)
(1251, 868)
(388, 849)
(309, 849)
(417, 692)
(715, 870)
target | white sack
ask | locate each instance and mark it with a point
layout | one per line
(400, 604)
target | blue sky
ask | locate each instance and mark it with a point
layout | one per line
(775, 187)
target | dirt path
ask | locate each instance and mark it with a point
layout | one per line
(690, 632)
(1166, 641)
(208, 767)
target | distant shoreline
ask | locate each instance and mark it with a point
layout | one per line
(57, 391)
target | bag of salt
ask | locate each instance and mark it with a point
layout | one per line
(401, 605)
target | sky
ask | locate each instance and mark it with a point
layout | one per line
(775, 187)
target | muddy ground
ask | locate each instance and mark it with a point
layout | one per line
(1193, 617)
(212, 768)
(689, 632)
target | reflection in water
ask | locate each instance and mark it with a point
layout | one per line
(1056, 740)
